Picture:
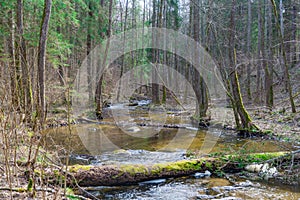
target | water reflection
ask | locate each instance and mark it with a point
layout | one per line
(108, 140)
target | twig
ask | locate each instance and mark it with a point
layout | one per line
(292, 164)
(287, 99)
(172, 94)
(21, 190)
(287, 154)
(58, 166)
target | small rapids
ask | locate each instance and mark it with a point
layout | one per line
(189, 188)
(123, 141)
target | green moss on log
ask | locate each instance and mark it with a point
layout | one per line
(254, 157)
(134, 169)
(76, 168)
(130, 174)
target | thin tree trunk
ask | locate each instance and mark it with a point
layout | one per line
(268, 72)
(13, 73)
(188, 74)
(88, 50)
(98, 94)
(42, 57)
(143, 50)
(249, 35)
(26, 97)
(238, 105)
(259, 56)
(287, 75)
(294, 34)
(199, 85)
(123, 56)
(155, 87)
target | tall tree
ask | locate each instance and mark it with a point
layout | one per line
(249, 35)
(294, 33)
(259, 55)
(124, 26)
(88, 50)
(238, 105)
(198, 83)
(155, 86)
(13, 70)
(267, 64)
(42, 57)
(286, 68)
(98, 94)
(24, 82)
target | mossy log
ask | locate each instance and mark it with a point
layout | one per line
(124, 174)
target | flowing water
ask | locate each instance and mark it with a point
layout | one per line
(191, 188)
(133, 136)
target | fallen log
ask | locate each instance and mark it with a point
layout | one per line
(91, 121)
(125, 174)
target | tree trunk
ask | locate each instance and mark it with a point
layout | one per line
(13, 72)
(199, 85)
(123, 56)
(294, 34)
(259, 55)
(88, 50)
(25, 82)
(238, 105)
(42, 58)
(267, 68)
(98, 93)
(143, 50)
(155, 86)
(249, 35)
(286, 68)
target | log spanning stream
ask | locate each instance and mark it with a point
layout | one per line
(136, 135)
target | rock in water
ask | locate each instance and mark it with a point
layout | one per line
(153, 182)
(254, 167)
(202, 175)
(264, 170)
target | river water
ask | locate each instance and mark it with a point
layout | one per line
(138, 136)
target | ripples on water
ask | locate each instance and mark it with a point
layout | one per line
(130, 144)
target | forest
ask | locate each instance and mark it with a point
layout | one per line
(112, 99)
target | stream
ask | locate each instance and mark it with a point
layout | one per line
(134, 135)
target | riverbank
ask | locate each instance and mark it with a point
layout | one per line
(280, 125)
